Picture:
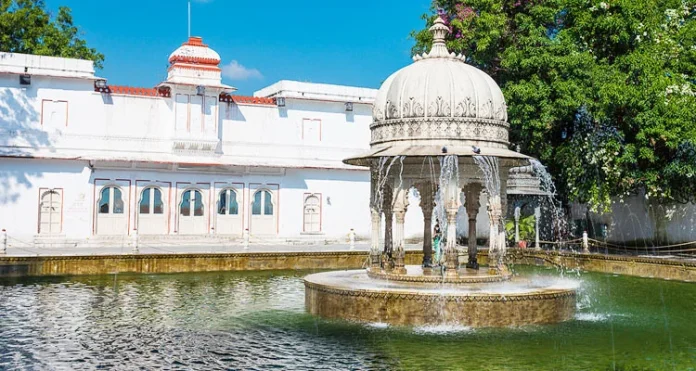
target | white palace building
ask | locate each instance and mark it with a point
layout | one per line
(82, 161)
(87, 164)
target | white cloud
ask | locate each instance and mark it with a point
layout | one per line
(236, 71)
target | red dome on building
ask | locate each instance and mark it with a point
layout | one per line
(194, 53)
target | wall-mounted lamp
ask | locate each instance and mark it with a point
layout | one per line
(165, 91)
(280, 102)
(100, 84)
(24, 79)
(200, 90)
(349, 106)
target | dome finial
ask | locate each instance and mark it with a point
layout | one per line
(439, 31)
(439, 49)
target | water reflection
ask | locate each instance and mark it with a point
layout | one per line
(207, 321)
(256, 321)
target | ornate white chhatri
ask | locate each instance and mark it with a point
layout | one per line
(437, 101)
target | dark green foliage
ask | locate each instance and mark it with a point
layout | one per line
(600, 91)
(27, 27)
(526, 228)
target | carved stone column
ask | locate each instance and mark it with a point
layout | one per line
(376, 216)
(388, 209)
(400, 207)
(472, 193)
(502, 238)
(537, 216)
(517, 224)
(426, 192)
(451, 255)
(494, 216)
(503, 201)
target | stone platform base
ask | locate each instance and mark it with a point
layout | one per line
(415, 274)
(353, 295)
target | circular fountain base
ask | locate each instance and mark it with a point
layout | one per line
(415, 274)
(354, 295)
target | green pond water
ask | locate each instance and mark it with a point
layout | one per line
(247, 321)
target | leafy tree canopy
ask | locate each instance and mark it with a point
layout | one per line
(27, 27)
(602, 92)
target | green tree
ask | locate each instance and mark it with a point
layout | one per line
(27, 27)
(602, 92)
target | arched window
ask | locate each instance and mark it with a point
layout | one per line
(263, 203)
(191, 203)
(151, 201)
(227, 202)
(312, 214)
(111, 201)
(50, 212)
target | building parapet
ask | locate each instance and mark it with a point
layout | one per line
(313, 91)
(17, 63)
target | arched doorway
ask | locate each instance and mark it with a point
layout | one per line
(51, 212)
(152, 218)
(263, 219)
(192, 211)
(312, 214)
(112, 218)
(228, 219)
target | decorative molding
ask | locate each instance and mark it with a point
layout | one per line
(195, 145)
(523, 183)
(488, 278)
(440, 128)
(546, 294)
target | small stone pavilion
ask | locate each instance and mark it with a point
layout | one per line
(434, 112)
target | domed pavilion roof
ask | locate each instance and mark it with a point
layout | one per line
(194, 52)
(196, 64)
(439, 101)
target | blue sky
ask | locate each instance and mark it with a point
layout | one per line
(357, 42)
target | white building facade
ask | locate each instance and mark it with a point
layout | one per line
(84, 161)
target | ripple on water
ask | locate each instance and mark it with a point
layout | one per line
(257, 321)
(377, 325)
(207, 322)
(591, 317)
(442, 329)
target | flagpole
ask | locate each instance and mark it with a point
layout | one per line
(189, 18)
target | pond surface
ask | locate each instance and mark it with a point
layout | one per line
(248, 321)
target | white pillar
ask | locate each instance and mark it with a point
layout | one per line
(400, 207)
(376, 228)
(376, 218)
(375, 253)
(537, 216)
(136, 248)
(495, 249)
(517, 224)
(245, 236)
(400, 216)
(585, 243)
(3, 248)
(351, 239)
(452, 205)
